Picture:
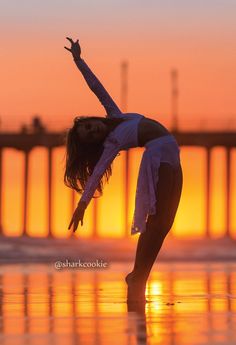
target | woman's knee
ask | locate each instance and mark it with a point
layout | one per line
(156, 224)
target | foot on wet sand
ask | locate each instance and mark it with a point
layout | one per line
(136, 289)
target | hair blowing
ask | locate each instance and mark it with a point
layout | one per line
(81, 158)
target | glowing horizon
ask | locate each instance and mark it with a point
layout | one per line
(190, 215)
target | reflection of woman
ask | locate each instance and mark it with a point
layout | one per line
(94, 142)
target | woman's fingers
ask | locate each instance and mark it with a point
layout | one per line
(75, 226)
(70, 39)
(76, 223)
(75, 48)
(68, 49)
(77, 217)
(71, 222)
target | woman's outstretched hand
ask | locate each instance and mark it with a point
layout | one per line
(75, 48)
(77, 217)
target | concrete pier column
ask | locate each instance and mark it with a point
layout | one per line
(124, 97)
(208, 190)
(25, 191)
(228, 189)
(1, 202)
(127, 193)
(95, 219)
(1, 189)
(72, 210)
(50, 192)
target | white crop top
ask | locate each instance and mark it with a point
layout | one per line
(126, 133)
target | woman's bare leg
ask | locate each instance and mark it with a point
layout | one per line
(169, 189)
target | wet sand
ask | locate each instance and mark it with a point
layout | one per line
(36, 249)
(188, 303)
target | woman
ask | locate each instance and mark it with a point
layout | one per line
(94, 142)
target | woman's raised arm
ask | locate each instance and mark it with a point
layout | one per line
(94, 84)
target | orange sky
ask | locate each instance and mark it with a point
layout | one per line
(38, 76)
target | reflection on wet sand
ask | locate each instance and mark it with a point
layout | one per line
(187, 304)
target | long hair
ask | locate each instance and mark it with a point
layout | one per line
(81, 158)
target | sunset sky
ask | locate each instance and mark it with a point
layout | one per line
(38, 76)
(196, 37)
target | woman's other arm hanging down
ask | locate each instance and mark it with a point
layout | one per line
(105, 160)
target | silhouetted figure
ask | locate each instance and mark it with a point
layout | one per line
(91, 146)
(24, 129)
(37, 125)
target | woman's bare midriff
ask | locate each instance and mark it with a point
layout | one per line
(149, 129)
